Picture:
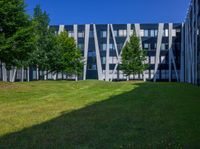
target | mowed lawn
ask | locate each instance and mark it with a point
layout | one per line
(97, 114)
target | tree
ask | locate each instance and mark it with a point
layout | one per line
(71, 61)
(43, 40)
(14, 26)
(133, 57)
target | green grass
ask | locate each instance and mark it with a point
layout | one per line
(97, 114)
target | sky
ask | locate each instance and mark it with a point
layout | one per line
(112, 11)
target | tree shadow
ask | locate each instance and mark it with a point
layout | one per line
(130, 120)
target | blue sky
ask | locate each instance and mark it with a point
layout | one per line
(112, 11)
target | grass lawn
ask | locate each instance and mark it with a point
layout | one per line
(97, 114)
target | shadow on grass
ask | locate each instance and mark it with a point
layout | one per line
(136, 119)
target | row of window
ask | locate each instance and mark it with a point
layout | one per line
(123, 33)
(146, 46)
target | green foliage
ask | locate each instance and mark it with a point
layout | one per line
(43, 39)
(16, 33)
(72, 61)
(133, 57)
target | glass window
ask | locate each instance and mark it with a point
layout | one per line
(173, 33)
(156, 33)
(103, 59)
(115, 33)
(81, 46)
(112, 46)
(91, 34)
(162, 60)
(166, 34)
(91, 54)
(146, 46)
(80, 34)
(146, 33)
(104, 47)
(163, 46)
(152, 33)
(122, 33)
(142, 33)
(92, 67)
(163, 74)
(71, 33)
(152, 60)
(103, 34)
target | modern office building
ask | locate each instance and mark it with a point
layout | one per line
(190, 55)
(102, 45)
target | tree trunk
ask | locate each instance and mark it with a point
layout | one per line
(22, 74)
(127, 78)
(10, 75)
(14, 74)
(144, 77)
(76, 78)
(4, 72)
(37, 73)
(28, 77)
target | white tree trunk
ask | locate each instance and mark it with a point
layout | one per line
(37, 73)
(22, 74)
(144, 77)
(76, 78)
(127, 78)
(55, 76)
(4, 72)
(14, 74)
(28, 77)
(45, 75)
(10, 75)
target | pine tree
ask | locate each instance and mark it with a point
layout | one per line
(133, 57)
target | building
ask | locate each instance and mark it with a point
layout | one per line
(190, 55)
(102, 45)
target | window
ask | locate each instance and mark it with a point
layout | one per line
(152, 60)
(164, 46)
(166, 32)
(91, 34)
(91, 54)
(119, 46)
(103, 59)
(113, 60)
(71, 33)
(173, 33)
(146, 46)
(103, 34)
(112, 46)
(163, 74)
(81, 46)
(122, 33)
(92, 67)
(103, 47)
(142, 33)
(156, 33)
(80, 34)
(162, 60)
(146, 33)
(115, 33)
(152, 33)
